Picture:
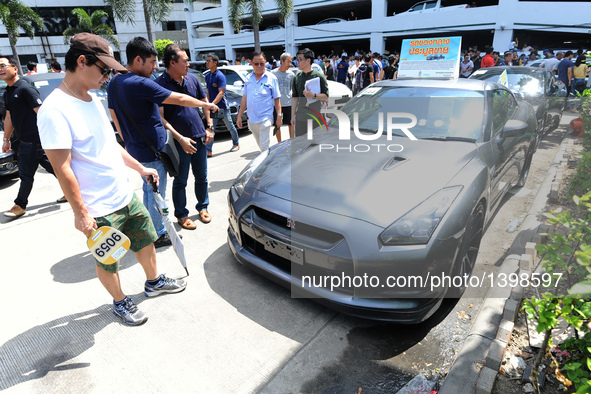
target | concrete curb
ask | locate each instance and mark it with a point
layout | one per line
(479, 360)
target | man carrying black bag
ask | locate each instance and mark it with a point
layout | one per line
(134, 98)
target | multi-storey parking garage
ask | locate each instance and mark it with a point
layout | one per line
(381, 25)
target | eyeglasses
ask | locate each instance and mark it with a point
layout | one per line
(3, 66)
(258, 64)
(104, 70)
(208, 61)
(301, 59)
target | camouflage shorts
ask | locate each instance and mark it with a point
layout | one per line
(133, 221)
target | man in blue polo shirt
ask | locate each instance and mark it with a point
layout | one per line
(342, 69)
(261, 94)
(216, 92)
(189, 133)
(141, 97)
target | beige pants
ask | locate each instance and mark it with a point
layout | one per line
(262, 133)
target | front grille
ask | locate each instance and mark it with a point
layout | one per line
(324, 252)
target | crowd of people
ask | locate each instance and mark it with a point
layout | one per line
(569, 67)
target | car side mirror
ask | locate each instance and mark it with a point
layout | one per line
(238, 84)
(514, 128)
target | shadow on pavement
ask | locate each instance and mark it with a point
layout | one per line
(7, 181)
(368, 363)
(216, 186)
(261, 300)
(81, 267)
(33, 210)
(40, 350)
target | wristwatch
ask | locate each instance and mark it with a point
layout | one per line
(280, 115)
(5, 139)
(314, 95)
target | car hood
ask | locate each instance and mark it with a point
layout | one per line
(377, 187)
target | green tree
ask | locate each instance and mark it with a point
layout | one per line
(161, 45)
(239, 9)
(14, 15)
(154, 10)
(91, 24)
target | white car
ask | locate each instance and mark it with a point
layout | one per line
(338, 94)
(433, 5)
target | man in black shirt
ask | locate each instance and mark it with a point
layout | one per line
(22, 103)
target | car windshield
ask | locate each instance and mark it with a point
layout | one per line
(46, 86)
(440, 113)
(527, 85)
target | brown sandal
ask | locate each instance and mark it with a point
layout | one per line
(205, 216)
(187, 223)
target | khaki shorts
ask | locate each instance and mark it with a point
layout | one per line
(133, 221)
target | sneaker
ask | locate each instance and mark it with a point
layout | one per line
(165, 285)
(235, 148)
(129, 312)
(163, 240)
(15, 212)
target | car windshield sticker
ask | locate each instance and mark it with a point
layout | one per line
(369, 92)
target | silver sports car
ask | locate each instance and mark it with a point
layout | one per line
(371, 213)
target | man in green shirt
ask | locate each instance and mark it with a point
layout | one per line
(300, 94)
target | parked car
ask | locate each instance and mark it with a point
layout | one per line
(338, 94)
(416, 211)
(45, 83)
(246, 29)
(8, 163)
(537, 86)
(433, 5)
(199, 65)
(535, 63)
(274, 27)
(233, 100)
(331, 20)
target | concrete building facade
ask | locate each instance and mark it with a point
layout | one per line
(380, 25)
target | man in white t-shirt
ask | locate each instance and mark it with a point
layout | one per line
(90, 167)
(466, 67)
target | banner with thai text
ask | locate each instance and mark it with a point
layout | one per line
(430, 58)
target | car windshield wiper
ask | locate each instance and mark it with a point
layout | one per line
(448, 138)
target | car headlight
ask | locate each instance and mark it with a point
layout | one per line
(247, 173)
(417, 225)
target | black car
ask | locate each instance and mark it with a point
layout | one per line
(537, 86)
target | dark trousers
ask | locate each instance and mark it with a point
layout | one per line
(30, 156)
(198, 163)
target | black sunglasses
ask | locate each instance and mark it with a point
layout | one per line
(104, 70)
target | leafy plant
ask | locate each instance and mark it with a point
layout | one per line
(567, 250)
(161, 45)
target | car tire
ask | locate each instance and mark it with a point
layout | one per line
(468, 250)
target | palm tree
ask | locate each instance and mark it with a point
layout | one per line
(238, 9)
(14, 15)
(154, 10)
(91, 24)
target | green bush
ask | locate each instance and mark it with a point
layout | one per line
(160, 45)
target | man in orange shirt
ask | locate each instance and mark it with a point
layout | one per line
(488, 60)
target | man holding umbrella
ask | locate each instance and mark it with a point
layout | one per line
(90, 167)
